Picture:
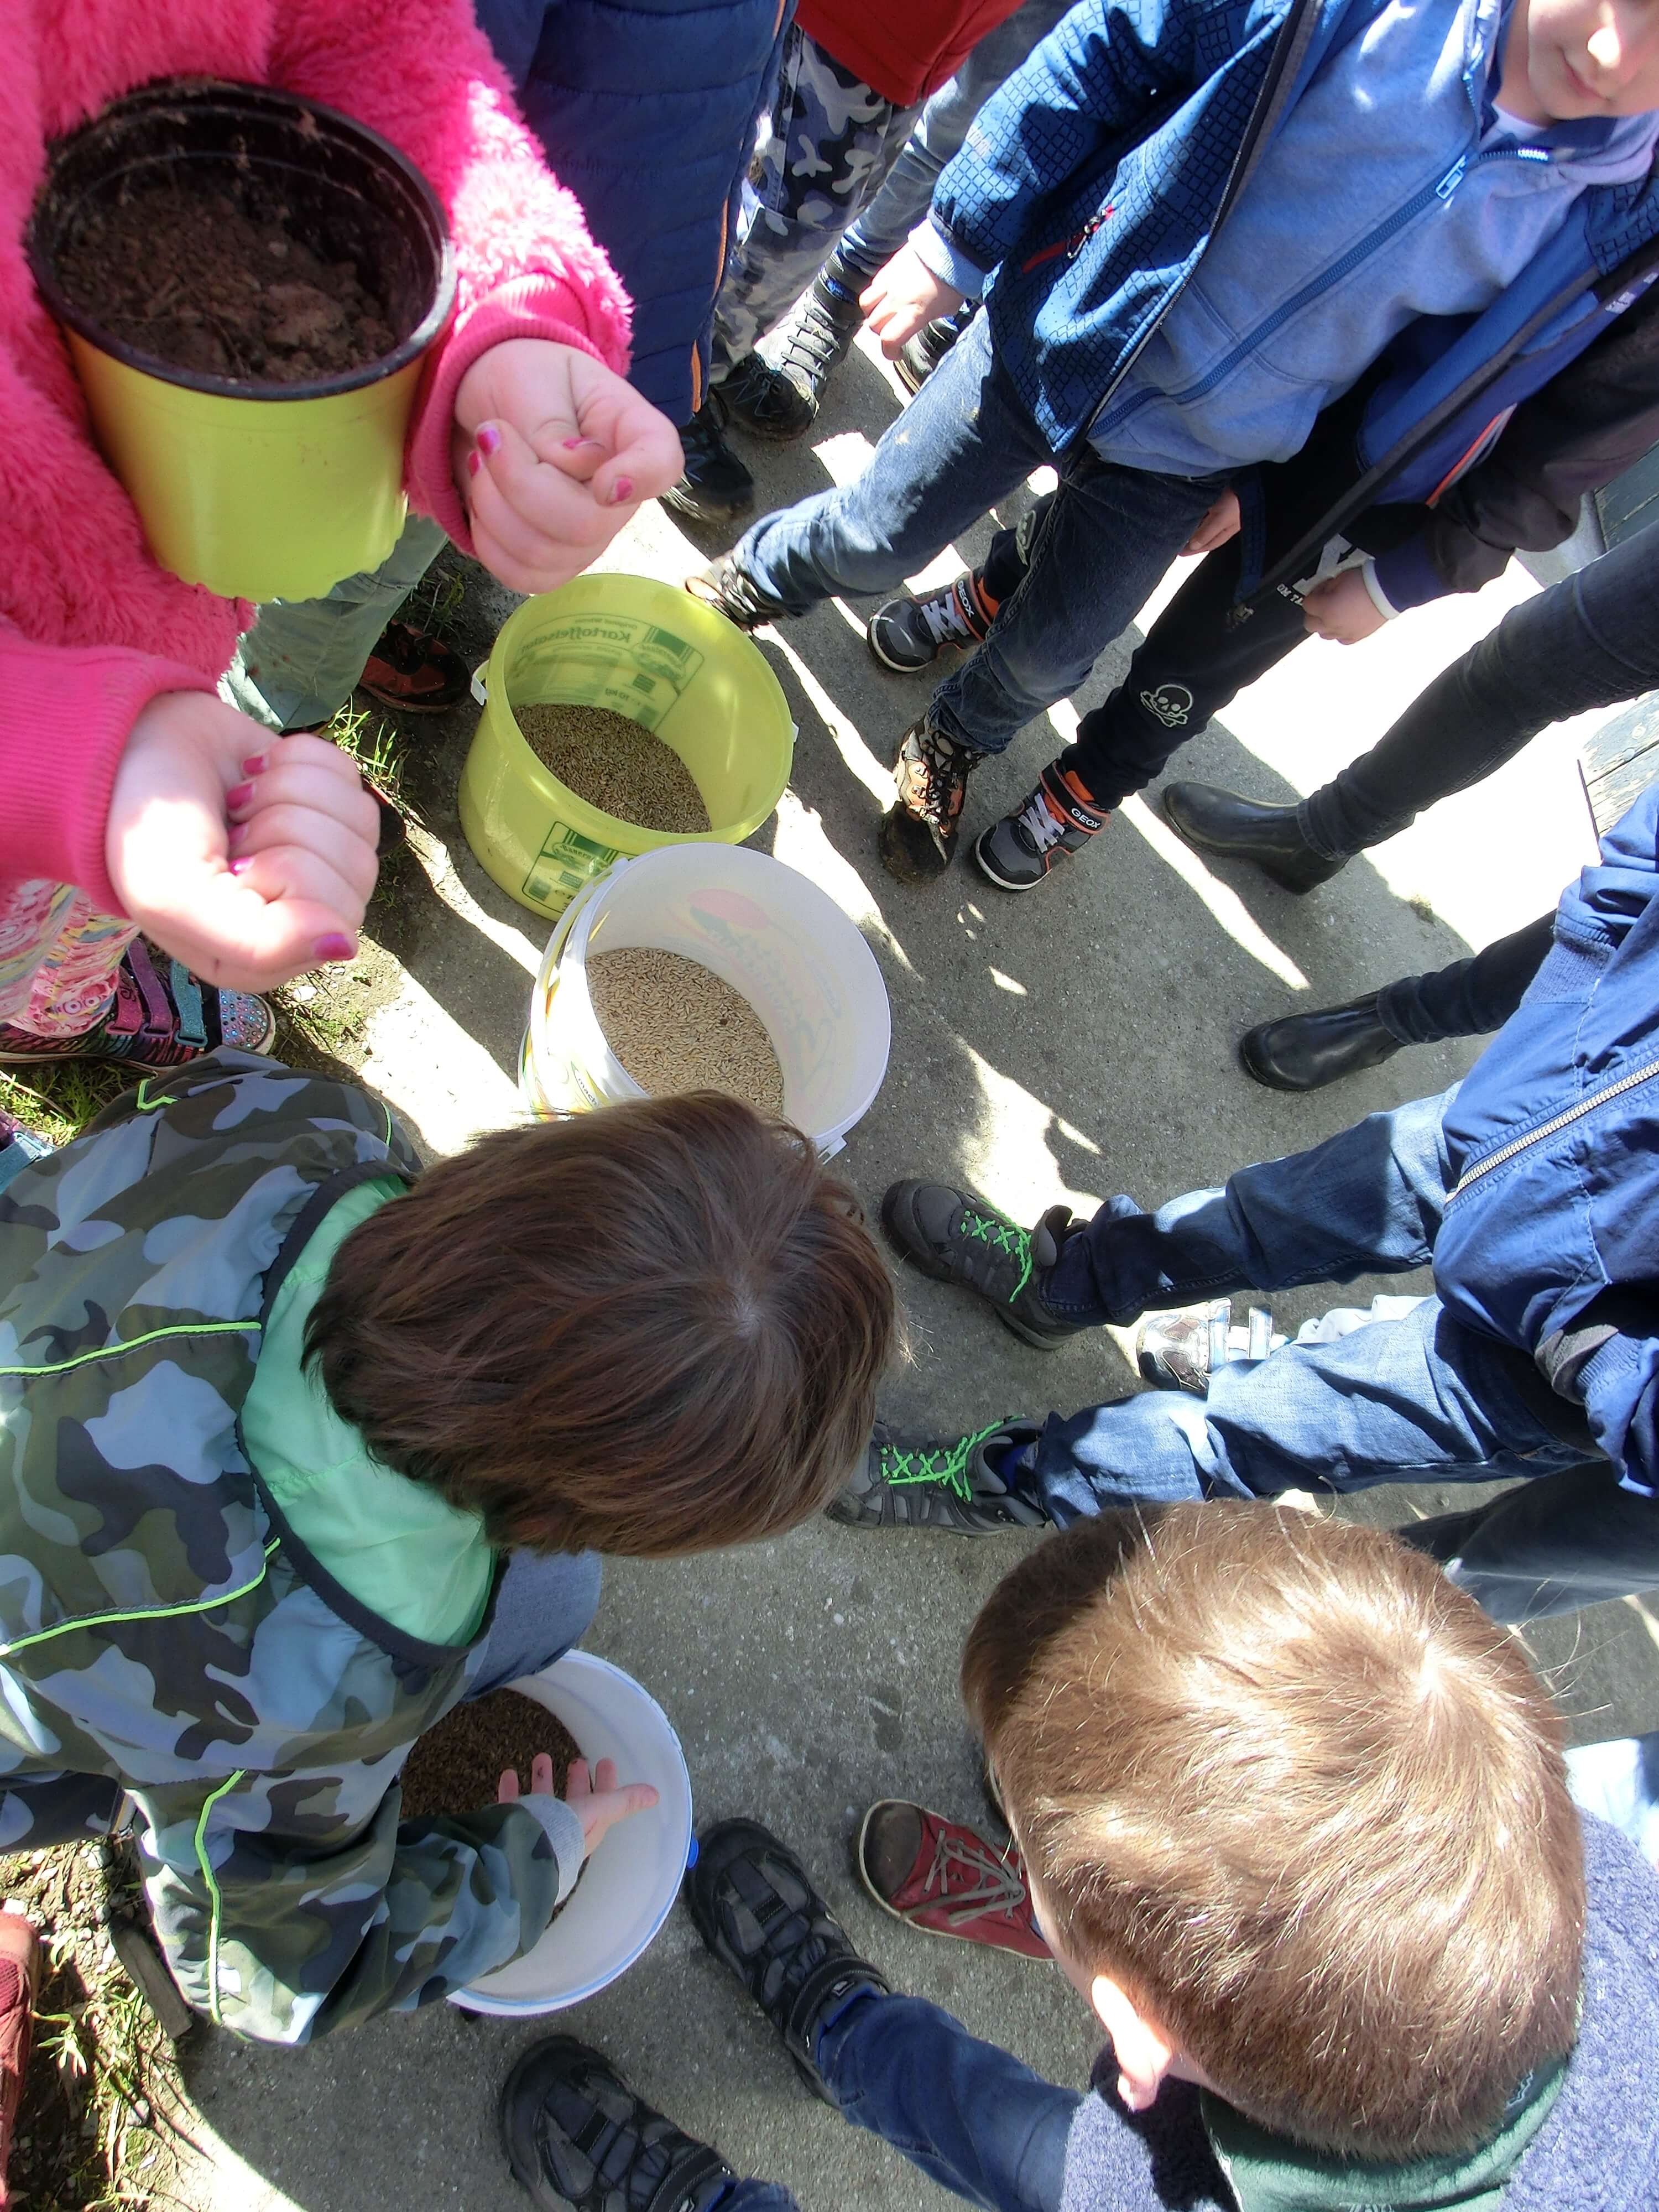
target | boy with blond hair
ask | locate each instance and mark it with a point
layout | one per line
(1294, 1819)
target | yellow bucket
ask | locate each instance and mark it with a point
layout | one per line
(259, 491)
(653, 654)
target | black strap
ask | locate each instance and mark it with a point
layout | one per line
(685, 2188)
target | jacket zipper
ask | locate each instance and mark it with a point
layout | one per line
(1284, 67)
(1443, 188)
(1561, 1121)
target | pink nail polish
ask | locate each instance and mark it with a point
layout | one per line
(575, 445)
(256, 763)
(474, 463)
(240, 867)
(488, 437)
(240, 797)
(622, 491)
(336, 947)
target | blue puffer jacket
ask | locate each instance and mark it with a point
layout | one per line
(1550, 1237)
(647, 111)
(1093, 182)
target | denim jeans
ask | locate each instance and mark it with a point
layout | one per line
(1472, 997)
(302, 658)
(964, 443)
(939, 129)
(544, 1606)
(969, 2115)
(1419, 1398)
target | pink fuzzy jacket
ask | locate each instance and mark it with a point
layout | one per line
(90, 628)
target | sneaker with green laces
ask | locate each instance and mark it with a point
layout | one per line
(955, 1238)
(967, 1486)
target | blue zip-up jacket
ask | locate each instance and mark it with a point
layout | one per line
(647, 111)
(1550, 1237)
(1093, 182)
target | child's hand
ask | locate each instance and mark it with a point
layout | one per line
(249, 857)
(903, 296)
(598, 1804)
(1220, 524)
(1342, 609)
(553, 454)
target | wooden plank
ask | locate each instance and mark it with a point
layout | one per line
(1620, 760)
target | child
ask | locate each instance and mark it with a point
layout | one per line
(1197, 228)
(1531, 1189)
(135, 799)
(1295, 1823)
(852, 77)
(295, 1457)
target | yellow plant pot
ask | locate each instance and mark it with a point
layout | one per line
(259, 490)
(646, 651)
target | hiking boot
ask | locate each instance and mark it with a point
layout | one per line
(576, 2134)
(759, 1914)
(951, 1236)
(768, 403)
(815, 340)
(160, 1018)
(1304, 1052)
(1183, 1349)
(716, 486)
(1016, 853)
(1222, 824)
(947, 1880)
(413, 672)
(728, 588)
(918, 358)
(908, 633)
(965, 1487)
(919, 830)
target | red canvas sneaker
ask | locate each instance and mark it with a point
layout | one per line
(947, 1880)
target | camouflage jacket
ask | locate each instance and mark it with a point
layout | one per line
(161, 1630)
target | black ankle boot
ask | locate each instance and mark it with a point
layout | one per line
(1304, 1052)
(1235, 829)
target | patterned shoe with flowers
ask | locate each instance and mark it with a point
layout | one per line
(947, 1879)
(162, 1016)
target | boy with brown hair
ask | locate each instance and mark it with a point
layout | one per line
(1294, 1821)
(295, 1456)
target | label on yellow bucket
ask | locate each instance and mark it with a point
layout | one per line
(633, 667)
(566, 864)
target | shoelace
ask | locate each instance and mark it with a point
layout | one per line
(999, 1889)
(946, 621)
(813, 343)
(1037, 818)
(1004, 1240)
(942, 767)
(944, 1464)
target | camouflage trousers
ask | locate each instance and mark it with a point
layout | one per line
(821, 157)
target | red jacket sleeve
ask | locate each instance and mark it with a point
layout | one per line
(422, 74)
(70, 710)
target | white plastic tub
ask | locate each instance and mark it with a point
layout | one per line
(762, 928)
(629, 1884)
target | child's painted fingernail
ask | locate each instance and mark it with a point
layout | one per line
(576, 445)
(474, 462)
(240, 797)
(622, 491)
(489, 439)
(256, 763)
(240, 867)
(336, 947)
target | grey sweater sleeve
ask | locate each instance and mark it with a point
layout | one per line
(564, 1832)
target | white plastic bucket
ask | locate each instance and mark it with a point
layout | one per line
(630, 1883)
(762, 928)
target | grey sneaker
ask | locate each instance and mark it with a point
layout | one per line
(816, 338)
(950, 1235)
(907, 634)
(729, 590)
(951, 1486)
(1018, 852)
(1180, 1350)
